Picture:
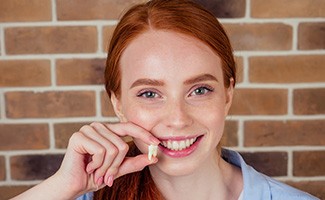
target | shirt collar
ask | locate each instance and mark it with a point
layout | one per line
(255, 184)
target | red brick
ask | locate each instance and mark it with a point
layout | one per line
(316, 188)
(287, 8)
(284, 133)
(7, 192)
(254, 37)
(63, 132)
(287, 69)
(25, 10)
(225, 8)
(15, 73)
(107, 35)
(60, 39)
(230, 136)
(107, 107)
(24, 136)
(259, 102)
(311, 36)
(50, 104)
(264, 162)
(2, 168)
(309, 101)
(309, 163)
(80, 71)
(91, 10)
(34, 167)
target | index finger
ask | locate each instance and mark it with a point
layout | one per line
(133, 130)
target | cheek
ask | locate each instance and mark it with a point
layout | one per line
(214, 120)
(141, 117)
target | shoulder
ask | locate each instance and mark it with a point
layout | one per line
(87, 196)
(260, 186)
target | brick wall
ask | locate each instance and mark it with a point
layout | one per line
(52, 55)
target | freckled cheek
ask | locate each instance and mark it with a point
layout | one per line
(142, 117)
(215, 120)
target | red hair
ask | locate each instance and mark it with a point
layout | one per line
(182, 16)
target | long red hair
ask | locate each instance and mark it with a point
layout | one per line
(182, 16)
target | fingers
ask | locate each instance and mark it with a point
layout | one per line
(117, 149)
(130, 129)
(135, 164)
(120, 130)
(103, 143)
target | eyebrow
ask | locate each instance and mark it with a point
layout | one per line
(154, 82)
(147, 81)
(201, 78)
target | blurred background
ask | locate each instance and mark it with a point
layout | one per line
(52, 59)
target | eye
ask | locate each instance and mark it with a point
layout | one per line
(148, 94)
(202, 90)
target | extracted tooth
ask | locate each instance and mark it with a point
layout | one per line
(152, 151)
(155, 152)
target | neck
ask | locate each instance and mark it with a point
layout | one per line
(215, 179)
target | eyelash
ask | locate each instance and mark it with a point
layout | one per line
(149, 94)
(146, 92)
(207, 89)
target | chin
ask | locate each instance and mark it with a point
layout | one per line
(175, 168)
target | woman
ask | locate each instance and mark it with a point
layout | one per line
(170, 75)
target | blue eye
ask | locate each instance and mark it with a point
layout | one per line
(148, 94)
(201, 91)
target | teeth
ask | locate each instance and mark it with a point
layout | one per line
(178, 145)
(175, 145)
(152, 151)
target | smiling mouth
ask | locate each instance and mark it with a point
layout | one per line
(178, 145)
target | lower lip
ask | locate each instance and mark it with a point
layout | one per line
(181, 153)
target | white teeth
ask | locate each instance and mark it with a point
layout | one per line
(152, 151)
(182, 145)
(175, 145)
(178, 145)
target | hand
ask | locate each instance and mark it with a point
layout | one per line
(96, 156)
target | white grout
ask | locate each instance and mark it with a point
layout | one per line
(51, 136)
(290, 164)
(53, 72)
(248, 10)
(290, 102)
(2, 43)
(53, 5)
(240, 134)
(2, 105)
(8, 168)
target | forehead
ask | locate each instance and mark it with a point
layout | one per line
(166, 54)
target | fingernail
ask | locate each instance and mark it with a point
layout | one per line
(99, 181)
(153, 160)
(109, 181)
(154, 140)
(89, 170)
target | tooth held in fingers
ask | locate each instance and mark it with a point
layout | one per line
(152, 151)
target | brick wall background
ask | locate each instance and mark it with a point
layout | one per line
(52, 55)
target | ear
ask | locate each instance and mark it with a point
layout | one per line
(229, 95)
(117, 107)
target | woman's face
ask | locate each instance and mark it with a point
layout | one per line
(172, 85)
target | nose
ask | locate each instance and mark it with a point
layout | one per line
(178, 114)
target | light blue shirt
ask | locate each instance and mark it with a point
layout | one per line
(257, 186)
